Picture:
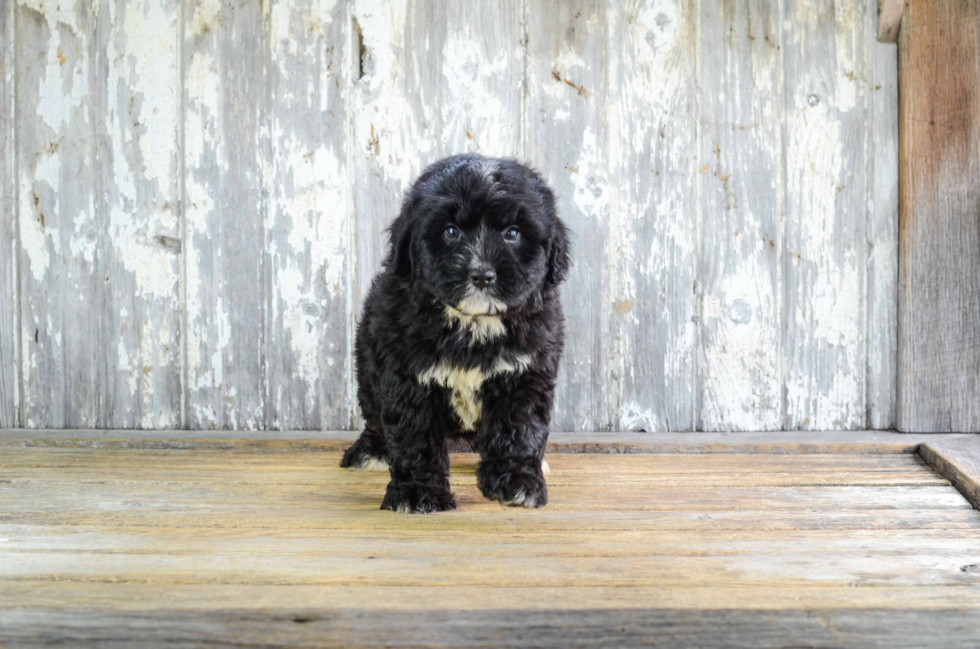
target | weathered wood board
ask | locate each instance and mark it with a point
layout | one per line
(825, 259)
(59, 56)
(215, 179)
(224, 245)
(9, 241)
(939, 318)
(231, 545)
(882, 287)
(959, 461)
(742, 193)
(138, 214)
(307, 228)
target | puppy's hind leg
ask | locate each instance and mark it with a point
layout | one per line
(368, 453)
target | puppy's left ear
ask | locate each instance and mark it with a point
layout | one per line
(399, 257)
(559, 254)
(558, 245)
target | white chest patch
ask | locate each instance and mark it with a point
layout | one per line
(464, 385)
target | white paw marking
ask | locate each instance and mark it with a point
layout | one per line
(371, 464)
(545, 467)
(404, 508)
(521, 498)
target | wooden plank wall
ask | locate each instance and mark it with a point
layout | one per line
(939, 353)
(9, 370)
(202, 190)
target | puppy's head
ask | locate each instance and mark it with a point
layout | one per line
(480, 234)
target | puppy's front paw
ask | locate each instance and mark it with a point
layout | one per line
(417, 498)
(518, 484)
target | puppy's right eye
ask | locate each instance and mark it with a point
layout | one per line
(453, 232)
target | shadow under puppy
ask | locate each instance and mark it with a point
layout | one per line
(461, 335)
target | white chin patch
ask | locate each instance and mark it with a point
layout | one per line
(545, 467)
(479, 303)
(372, 464)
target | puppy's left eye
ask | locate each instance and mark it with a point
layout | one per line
(512, 235)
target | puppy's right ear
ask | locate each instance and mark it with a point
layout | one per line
(399, 257)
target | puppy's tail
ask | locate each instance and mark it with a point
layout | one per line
(368, 453)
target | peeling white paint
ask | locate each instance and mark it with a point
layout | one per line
(64, 85)
(591, 189)
(620, 154)
(150, 34)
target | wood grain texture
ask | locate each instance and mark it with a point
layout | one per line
(939, 285)
(889, 19)
(825, 255)
(882, 235)
(958, 460)
(651, 261)
(309, 243)
(138, 208)
(566, 136)
(577, 628)
(741, 198)
(9, 239)
(224, 240)
(626, 188)
(59, 58)
(255, 547)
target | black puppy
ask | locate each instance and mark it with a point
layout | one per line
(461, 335)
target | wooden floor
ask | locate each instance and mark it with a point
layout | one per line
(214, 547)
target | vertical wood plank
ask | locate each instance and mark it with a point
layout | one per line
(826, 204)
(652, 254)
(742, 202)
(59, 52)
(139, 205)
(567, 135)
(882, 167)
(939, 245)
(308, 354)
(224, 231)
(627, 189)
(433, 79)
(9, 244)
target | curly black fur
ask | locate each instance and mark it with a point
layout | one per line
(461, 335)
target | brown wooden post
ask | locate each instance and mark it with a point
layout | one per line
(939, 239)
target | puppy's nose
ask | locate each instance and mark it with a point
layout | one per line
(483, 276)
